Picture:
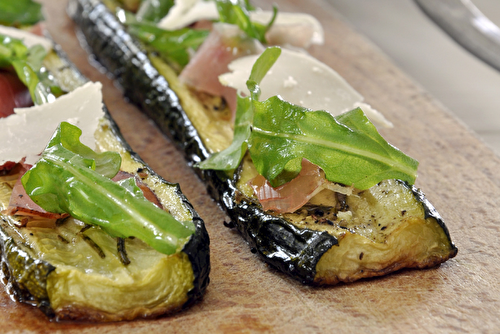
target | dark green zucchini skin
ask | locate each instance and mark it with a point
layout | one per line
(289, 249)
(431, 212)
(25, 278)
(292, 250)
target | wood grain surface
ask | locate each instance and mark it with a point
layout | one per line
(458, 173)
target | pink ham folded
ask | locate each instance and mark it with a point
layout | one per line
(148, 193)
(224, 44)
(22, 205)
(292, 195)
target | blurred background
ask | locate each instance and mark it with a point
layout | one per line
(465, 85)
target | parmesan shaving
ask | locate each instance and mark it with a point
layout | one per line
(26, 132)
(302, 80)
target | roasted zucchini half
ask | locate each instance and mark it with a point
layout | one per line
(73, 271)
(369, 233)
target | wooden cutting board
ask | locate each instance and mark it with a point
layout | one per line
(459, 174)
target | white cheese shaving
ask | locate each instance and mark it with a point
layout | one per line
(26, 132)
(298, 29)
(314, 85)
(28, 38)
(186, 12)
(373, 115)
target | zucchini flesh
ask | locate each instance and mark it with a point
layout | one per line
(329, 250)
(74, 273)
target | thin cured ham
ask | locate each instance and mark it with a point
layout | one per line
(224, 44)
(286, 198)
(295, 194)
(22, 205)
(148, 193)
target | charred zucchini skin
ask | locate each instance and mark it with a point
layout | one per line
(198, 247)
(291, 250)
(431, 212)
(25, 278)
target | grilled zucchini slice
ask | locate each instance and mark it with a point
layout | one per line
(77, 272)
(371, 233)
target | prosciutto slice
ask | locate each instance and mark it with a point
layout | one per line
(147, 192)
(22, 205)
(292, 195)
(224, 44)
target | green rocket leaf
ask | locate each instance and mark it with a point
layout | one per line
(70, 177)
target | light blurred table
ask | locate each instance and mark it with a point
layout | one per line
(462, 83)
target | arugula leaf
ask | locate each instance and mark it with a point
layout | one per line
(230, 158)
(70, 177)
(172, 45)
(153, 10)
(27, 63)
(279, 135)
(20, 12)
(348, 148)
(237, 12)
(14, 53)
